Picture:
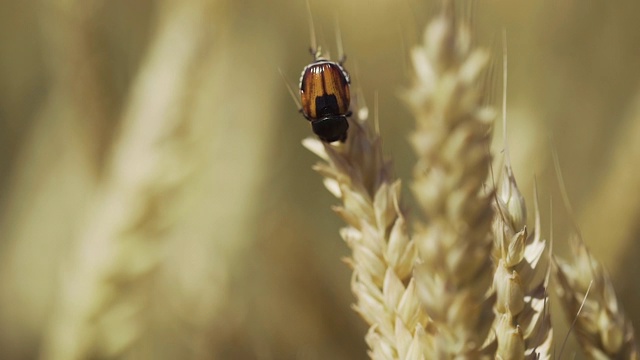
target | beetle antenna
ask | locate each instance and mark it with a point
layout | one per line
(361, 108)
(341, 55)
(314, 49)
(376, 117)
(291, 92)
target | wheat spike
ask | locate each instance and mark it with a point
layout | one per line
(588, 297)
(523, 326)
(451, 140)
(382, 253)
(601, 326)
(100, 313)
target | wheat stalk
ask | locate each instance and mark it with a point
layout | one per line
(106, 283)
(453, 132)
(523, 326)
(382, 253)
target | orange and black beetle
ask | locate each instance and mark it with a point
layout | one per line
(325, 96)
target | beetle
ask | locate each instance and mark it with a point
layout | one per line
(325, 97)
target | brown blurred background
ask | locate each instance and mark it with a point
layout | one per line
(152, 145)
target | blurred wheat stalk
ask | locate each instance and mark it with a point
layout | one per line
(152, 260)
(104, 290)
(451, 141)
(464, 241)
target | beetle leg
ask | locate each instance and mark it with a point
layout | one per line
(303, 114)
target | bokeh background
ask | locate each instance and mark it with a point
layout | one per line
(152, 146)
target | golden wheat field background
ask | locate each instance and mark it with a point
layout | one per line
(156, 201)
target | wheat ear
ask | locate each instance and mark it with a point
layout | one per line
(101, 310)
(600, 323)
(382, 253)
(451, 140)
(588, 298)
(523, 326)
